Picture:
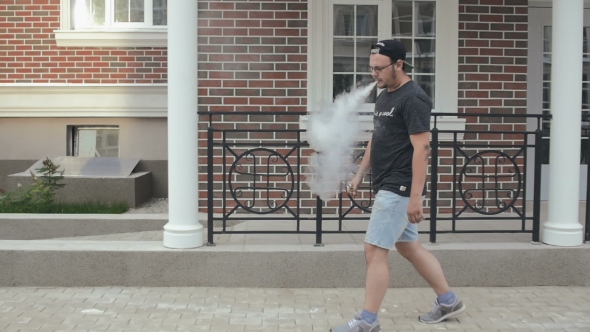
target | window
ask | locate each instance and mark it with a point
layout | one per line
(414, 23)
(113, 23)
(342, 31)
(94, 141)
(355, 30)
(97, 14)
(585, 158)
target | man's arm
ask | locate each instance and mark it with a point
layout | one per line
(360, 173)
(366, 162)
(421, 144)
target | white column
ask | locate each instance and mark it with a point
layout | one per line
(563, 228)
(183, 229)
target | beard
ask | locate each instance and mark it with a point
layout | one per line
(382, 84)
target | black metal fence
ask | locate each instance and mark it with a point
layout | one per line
(475, 175)
(489, 177)
(587, 228)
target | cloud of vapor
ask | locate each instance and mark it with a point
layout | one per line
(331, 132)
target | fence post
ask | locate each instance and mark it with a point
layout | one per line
(318, 223)
(210, 186)
(537, 184)
(433, 184)
(587, 229)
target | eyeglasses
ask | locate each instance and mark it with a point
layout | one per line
(379, 69)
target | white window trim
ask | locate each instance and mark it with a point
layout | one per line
(447, 57)
(108, 37)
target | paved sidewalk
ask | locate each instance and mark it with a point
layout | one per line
(237, 309)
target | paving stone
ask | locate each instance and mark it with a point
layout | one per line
(240, 309)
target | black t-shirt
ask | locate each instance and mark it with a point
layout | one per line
(398, 114)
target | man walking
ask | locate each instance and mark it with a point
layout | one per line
(398, 157)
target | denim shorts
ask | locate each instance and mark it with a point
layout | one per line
(389, 222)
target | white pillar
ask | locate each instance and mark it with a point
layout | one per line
(183, 229)
(563, 228)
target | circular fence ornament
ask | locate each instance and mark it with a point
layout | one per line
(492, 173)
(258, 178)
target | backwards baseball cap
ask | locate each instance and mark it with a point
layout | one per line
(394, 49)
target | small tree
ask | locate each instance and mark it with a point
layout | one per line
(44, 188)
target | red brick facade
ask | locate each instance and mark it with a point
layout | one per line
(493, 38)
(29, 54)
(253, 57)
(493, 57)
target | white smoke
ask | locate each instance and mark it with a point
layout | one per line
(331, 133)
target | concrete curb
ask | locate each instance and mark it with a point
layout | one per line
(50, 263)
(17, 226)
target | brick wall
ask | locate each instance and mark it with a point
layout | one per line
(493, 57)
(253, 55)
(492, 80)
(29, 54)
(252, 58)
(492, 76)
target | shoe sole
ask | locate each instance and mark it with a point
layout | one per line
(447, 316)
(374, 331)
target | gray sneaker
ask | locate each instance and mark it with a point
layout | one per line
(357, 325)
(441, 312)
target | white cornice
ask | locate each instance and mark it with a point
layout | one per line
(83, 100)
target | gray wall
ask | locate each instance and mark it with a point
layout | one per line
(36, 138)
(23, 141)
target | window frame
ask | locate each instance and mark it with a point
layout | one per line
(74, 137)
(321, 53)
(115, 35)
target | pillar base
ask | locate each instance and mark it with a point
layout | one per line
(558, 234)
(176, 237)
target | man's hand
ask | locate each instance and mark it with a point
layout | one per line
(353, 185)
(415, 210)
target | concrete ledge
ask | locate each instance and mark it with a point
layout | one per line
(158, 169)
(134, 264)
(47, 226)
(134, 189)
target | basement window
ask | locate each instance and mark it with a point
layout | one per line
(93, 141)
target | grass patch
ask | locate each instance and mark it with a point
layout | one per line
(65, 208)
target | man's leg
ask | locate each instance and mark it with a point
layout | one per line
(376, 283)
(385, 227)
(377, 277)
(426, 264)
(447, 303)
